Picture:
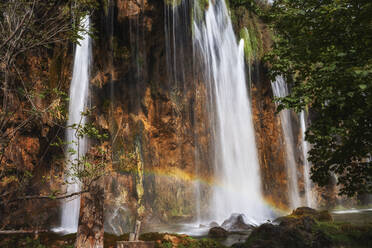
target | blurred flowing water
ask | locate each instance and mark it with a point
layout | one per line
(310, 202)
(78, 102)
(280, 89)
(236, 167)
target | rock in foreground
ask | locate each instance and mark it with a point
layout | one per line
(218, 232)
(308, 228)
(236, 223)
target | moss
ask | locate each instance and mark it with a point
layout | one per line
(201, 6)
(303, 228)
(248, 51)
(105, 6)
(67, 241)
(139, 175)
(162, 240)
(173, 3)
(346, 234)
(111, 239)
(43, 240)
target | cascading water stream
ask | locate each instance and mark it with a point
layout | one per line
(177, 39)
(305, 150)
(78, 103)
(238, 186)
(176, 28)
(280, 89)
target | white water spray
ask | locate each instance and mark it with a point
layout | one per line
(280, 90)
(305, 149)
(238, 188)
(78, 103)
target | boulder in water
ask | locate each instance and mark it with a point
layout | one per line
(301, 211)
(307, 212)
(236, 223)
(299, 229)
(218, 232)
(213, 224)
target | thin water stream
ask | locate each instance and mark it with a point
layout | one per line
(310, 202)
(280, 89)
(78, 102)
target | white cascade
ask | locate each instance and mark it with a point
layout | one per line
(238, 184)
(305, 149)
(280, 89)
(78, 102)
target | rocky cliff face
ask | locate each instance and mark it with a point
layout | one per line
(151, 110)
(157, 117)
(149, 95)
(29, 165)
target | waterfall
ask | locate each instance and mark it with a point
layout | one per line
(177, 32)
(305, 150)
(280, 89)
(78, 102)
(176, 28)
(237, 188)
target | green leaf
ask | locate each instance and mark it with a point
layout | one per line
(362, 86)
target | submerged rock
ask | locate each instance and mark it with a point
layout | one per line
(236, 223)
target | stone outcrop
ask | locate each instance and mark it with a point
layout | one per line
(236, 223)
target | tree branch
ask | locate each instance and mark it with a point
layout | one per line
(48, 197)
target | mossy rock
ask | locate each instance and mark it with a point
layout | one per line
(218, 232)
(303, 211)
(323, 215)
(165, 240)
(269, 235)
(43, 240)
(306, 227)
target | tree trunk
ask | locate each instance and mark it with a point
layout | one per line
(90, 230)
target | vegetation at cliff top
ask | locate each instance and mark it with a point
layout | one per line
(323, 49)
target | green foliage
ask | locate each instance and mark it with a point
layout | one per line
(89, 167)
(346, 234)
(42, 240)
(323, 49)
(166, 244)
(200, 7)
(252, 44)
(29, 30)
(161, 241)
(256, 6)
